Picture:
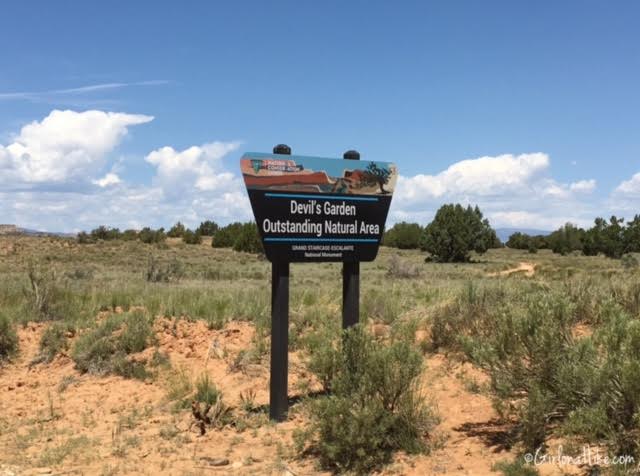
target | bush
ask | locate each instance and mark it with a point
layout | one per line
(515, 468)
(48, 297)
(149, 236)
(226, 236)
(374, 408)
(191, 238)
(399, 268)
(566, 239)
(534, 364)
(455, 232)
(239, 236)
(53, 341)
(84, 238)
(248, 239)
(469, 314)
(546, 379)
(629, 261)
(105, 233)
(8, 338)
(157, 272)
(522, 241)
(129, 235)
(207, 228)
(404, 236)
(104, 350)
(176, 231)
(206, 391)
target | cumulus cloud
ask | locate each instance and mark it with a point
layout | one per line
(512, 190)
(481, 176)
(197, 167)
(583, 186)
(629, 187)
(107, 180)
(64, 146)
(192, 184)
(43, 164)
(625, 198)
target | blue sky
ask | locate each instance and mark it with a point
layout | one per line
(529, 109)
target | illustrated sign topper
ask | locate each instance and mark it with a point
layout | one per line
(318, 209)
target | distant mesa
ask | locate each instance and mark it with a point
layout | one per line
(8, 230)
(16, 230)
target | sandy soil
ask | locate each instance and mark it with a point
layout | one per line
(528, 269)
(54, 420)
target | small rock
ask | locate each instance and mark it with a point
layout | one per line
(43, 471)
(214, 461)
(236, 465)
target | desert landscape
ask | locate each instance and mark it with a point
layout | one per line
(190, 323)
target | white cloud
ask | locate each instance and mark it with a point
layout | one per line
(629, 187)
(43, 164)
(197, 167)
(481, 176)
(191, 185)
(64, 146)
(107, 180)
(91, 88)
(583, 186)
(512, 190)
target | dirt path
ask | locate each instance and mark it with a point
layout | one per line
(528, 269)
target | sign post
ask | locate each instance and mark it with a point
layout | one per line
(350, 278)
(278, 399)
(312, 209)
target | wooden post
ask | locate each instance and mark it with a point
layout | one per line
(350, 278)
(278, 385)
(278, 399)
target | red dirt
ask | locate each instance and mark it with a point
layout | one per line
(131, 429)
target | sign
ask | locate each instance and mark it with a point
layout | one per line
(317, 209)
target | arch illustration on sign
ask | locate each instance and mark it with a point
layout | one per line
(318, 209)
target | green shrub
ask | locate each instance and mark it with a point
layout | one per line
(468, 314)
(566, 239)
(455, 232)
(239, 236)
(105, 233)
(158, 272)
(248, 239)
(191, 238)
(374, 408)
(404, 236)
(53, 341)
(149, 236)
(515, 468)
(48, 297)
(84, 238)
(535, 364)
(208, 228)
(629, 261)
(226, 236)
(176, 231)
(206, 391)
(8, 338)
(104, 350)
(402, 269)
(546, 379)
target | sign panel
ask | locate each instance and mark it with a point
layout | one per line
(318, 209)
